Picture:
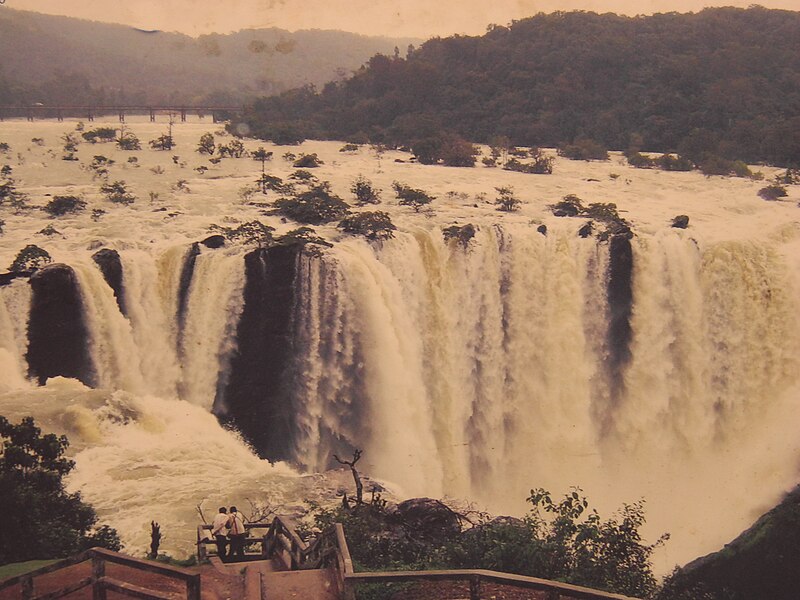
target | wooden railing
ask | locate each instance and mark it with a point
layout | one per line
(100, 582)
(330, 550)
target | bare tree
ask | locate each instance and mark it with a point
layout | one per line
(354, 471)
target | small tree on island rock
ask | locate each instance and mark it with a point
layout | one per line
(206, 144)
(413, 197)
(30, 258)
(373, 225)
(506, 201)
(364, 191)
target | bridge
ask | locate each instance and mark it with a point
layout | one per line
(42, 111)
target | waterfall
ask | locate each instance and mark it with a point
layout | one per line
(15, 301)
(642, 367)
(468, 371)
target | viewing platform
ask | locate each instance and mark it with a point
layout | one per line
(278, 565)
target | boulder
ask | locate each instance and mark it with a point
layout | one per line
(681, 222)
(586, 230)
(111, 267)
(426, 517)
(58, 339)
(214, 241)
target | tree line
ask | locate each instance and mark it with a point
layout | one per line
(722, 82)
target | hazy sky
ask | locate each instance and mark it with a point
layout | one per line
(419, 18)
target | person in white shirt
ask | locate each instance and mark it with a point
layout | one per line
(219, 529)
(237, 533)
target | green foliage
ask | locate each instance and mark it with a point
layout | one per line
(63, 205)
(413, 197)
(563, 540)
(364, 191)
(458, 152)
(373, 225)
(788, 177)
(315, 206)
(129, 141)
(307, 161)
(602, 211)
(42, 519)
(554, 78)
(461, 234)
(49, 231)
(261, 154)
(233, 149)
(251, 232)
(443, 147)
(772, 192)
(30, 258)
(303, 176)
(163, 142)
(302, 236)
(569, 206)
(541, 165)
(100, 134)
(4, 147)
(506, 201)
(716, 165)
(206, 144)
(666, 162)
(99, 166)
(759, 563)
(275, 184)
(349, 148)
(117, 192)
(583, 149)
(9, 194)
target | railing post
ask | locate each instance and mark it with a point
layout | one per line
(293, 554)
(475, 588)
(98, 572)
(27, 588)
(193, 588)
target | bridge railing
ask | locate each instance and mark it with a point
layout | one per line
(100, 582)
(330, 550)
(204, 539)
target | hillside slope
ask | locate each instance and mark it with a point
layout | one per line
(722, 80)
(55, 59)
(760, 563)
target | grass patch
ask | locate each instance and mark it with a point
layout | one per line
(14, 569)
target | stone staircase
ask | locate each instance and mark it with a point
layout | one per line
(269, 580)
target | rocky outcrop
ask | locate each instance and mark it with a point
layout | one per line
(427, 517)
(214, 241)
(620, 303)
(111, 267)
(681, 222)
(57, 334)
(257, 399)
(185, 283)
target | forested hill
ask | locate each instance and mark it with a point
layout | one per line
(53, 59)
(723, 80)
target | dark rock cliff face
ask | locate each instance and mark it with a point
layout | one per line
(57, 334)
(620, 302)
(111, 267)
(186, 282)
(257, 399)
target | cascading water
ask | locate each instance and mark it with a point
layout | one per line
(484, 372)
(664, 366)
